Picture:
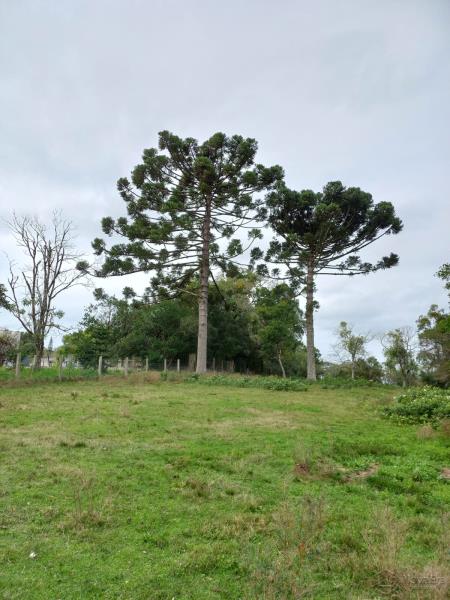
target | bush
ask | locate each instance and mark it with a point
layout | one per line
(420, 405)
(333, 383)
(267, 383)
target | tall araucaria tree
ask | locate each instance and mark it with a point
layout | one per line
(182, 200)
(322, 234)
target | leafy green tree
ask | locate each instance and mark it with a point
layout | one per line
(161, 330)
(369, 368)
(322, 234)
(351, 345)
(104, 322)
(8, 343)
(182, 201)
(399, 351)
(434, 339)
(231, 318)
(280, 325)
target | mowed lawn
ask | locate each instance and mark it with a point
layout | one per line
(165, 490)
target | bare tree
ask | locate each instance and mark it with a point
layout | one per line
(50, 270)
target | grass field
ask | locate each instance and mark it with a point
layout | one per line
(164, 490)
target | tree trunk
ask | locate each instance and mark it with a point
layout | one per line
(353, 369)
(202, 340)
(39, 354)
(309, 315)
(281, 364)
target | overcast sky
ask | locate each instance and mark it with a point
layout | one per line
(353, 90)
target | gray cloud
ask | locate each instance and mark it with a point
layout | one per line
(332, 90)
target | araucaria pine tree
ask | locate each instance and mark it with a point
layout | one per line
(182, 201)
(322, 234)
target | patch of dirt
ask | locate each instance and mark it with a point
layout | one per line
(255, 418)
(445, 473)
(301, 470)
(362, 474)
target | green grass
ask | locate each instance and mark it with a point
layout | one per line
(48, 374)
(158, 490)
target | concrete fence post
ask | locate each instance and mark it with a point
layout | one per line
(165, 364)
(60, 361)
(100, 365)
(214, 363)
(146, 363)
(125, 369)
(18, 365)
(178, 365)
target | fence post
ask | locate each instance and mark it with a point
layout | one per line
(18, 365)
(125, 369)
(146, 363)
(100, 365)
(178, 365)
(214, 364)
(165, 364)
(60, 368)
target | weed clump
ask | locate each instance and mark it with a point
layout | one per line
(421, 405)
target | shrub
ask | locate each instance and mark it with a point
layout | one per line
(420, 405)
(332, 383)
(267, 383)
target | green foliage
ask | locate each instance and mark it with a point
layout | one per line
(8, 345)
(323, 234)
(420, 405)
(231, 318)
(444, 274)
(116, 328)
(279, 327)
(401, 366)
(181, 201)
(366, 369)
(265, 383)
(434, 341)
(3, 298)
(47, 375)
(248, 324)
(333, 382)
(353, 346)
(327, 229)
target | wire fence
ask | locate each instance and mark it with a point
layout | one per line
(63, 368)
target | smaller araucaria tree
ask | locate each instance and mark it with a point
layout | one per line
(322, 234)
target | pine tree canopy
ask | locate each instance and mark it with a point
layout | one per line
(328, 229)
(181, 197)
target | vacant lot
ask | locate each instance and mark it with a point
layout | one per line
(133, 490)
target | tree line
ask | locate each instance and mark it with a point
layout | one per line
(194, 216)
